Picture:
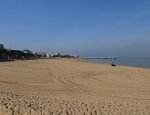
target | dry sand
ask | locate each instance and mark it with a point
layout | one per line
(71, 87)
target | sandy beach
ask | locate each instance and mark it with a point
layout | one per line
(71, 87)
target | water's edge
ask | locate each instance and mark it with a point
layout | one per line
(130, 62)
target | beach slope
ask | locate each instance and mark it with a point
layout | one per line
(71, 87)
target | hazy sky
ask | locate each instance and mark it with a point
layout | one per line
(81, 27)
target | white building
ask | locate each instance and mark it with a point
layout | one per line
(48, 55)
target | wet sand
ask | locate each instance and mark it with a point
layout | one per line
(71, 87)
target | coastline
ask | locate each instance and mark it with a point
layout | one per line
(69, 86)
(127, 62)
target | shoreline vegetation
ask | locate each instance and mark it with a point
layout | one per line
(12, 55)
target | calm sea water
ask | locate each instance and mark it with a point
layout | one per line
(133, 62)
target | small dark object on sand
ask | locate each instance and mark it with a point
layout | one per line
(113, 65)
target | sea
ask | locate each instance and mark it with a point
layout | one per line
(139, 62)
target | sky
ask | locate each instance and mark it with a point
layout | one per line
(88, 28)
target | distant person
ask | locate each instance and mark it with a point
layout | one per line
(113, 64)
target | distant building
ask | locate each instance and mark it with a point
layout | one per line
(56, 54)
(43, 54)
(51, 54)
(48, 55)
(2, 46)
